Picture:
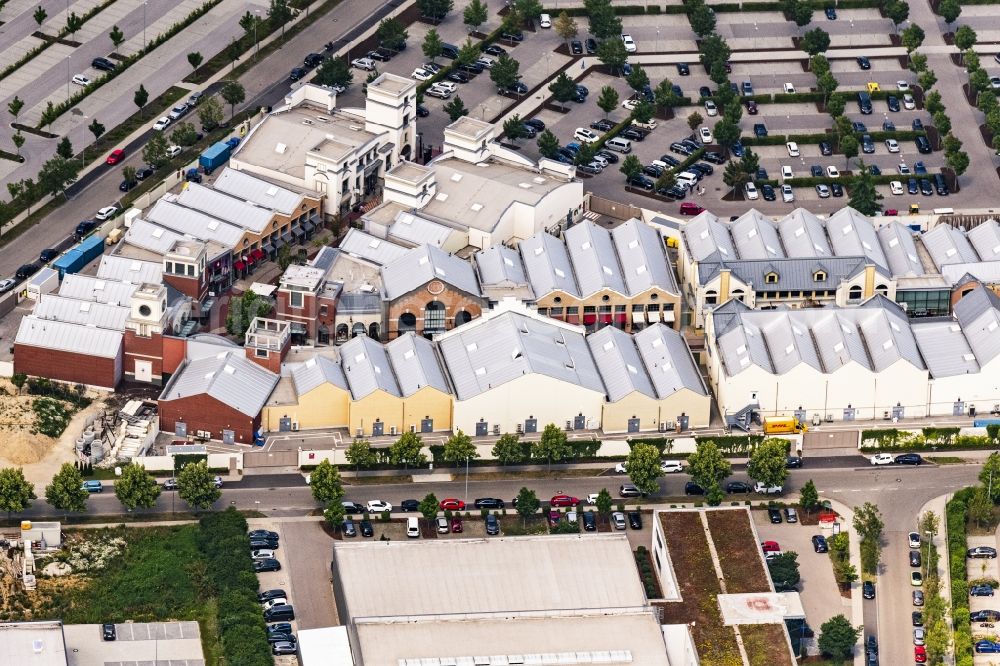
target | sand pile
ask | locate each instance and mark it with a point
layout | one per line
(23, 448)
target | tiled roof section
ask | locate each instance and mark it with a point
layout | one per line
(756, 237)
(421, 265)
(803, 235)
(979, 315)
(643, 258)
(594, 260)
(852, 234)
(415, 362)
(315, 372)
(668, 361)
(985, 238)
(547, 263)
(485, 354)
(948, 245)
(708, 239)
(63, 336)
(619, 363)
(900, 249)
(367, 368)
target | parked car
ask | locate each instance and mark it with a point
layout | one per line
(768, 490)
(984, 616)
(791, 515)
(452, 504)
(81, 80)
(987, 647)
(882, 459)
(629, 490)
(25, 271)
(738, 487)
(489, 503)
(909, 459)
(367, 529)
(916, 578)
(589, 521)
(366, 64)
(492, 524)
(161, 123)
(93, 486)
(618, 520)
(635, 520)
(692, 488)
(819, 544)
(409, 505)
(102, 64)
(982, 590)
(268, 595)
(868, 589)
(349, 528)
(774, 514)
(981, 552)
(108, 632)
(690, 208)
(456, 525)
(262, 566)
(442, 525)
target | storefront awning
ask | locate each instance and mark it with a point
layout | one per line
(668, 316)
(239, 265)
(268, 248)
(287, 237)
(638, 317)
(257, 254)
(573, 318)
(589, 319)
(309, 227)
(298, 232)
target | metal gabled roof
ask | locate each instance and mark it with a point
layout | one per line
(945, 348)
(499, 265)
(547, 263)
(594, 260)
(257, 190)
(370, 248)
(708, 239)
(979, 315)
(789, 343)
(985, 238)
(852, 234)
(315, 372)
(416, 365)
(900, 250)
(71, 337)
(229, 377)
(643, 258)
(367, 368)
(668, 361)
(948, 245)
(803, 235)
(620, 364)
(425, 263)
(838, 341)
(887, 333)
(755, 236)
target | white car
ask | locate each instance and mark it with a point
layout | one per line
(903, 169)
(786, 194)
(902, 85)
(832, 172)
(620, 468)
(161, 124)
(896, 187)
(618, 520)
(793, 149)
(882, 459)
(789, 89)
(486, 61)
(629, 43)
(366, 64)
(271, 603)
(81, 80)
(421, 74)
(892, 146)
(705, 135)
(545, 21)
(262, 554)
(786, 171)
(106, 213)
(759, 487)
(908, 102)
(447, 86)
(710, 108)
(440, 93)
(178, 111)
(669, 466)
(750, 190)
(217, 481)
(585, 135)
(630, 104)
(378, 506)
(592, 499)
(174, 150)
(914, 539)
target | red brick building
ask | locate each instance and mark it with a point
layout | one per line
(68, 352)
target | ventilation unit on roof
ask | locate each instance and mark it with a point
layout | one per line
(354, 128)
(322, 119)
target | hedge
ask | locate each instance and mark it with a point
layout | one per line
(733, 444)
(955, 518)
(623, 10)
(927, 438)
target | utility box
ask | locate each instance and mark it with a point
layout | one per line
(43, 282)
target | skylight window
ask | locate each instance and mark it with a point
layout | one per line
(839, 347)
(480, 371)
(799, 232)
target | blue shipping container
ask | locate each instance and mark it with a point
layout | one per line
(91, 247)
(982, 423)
(215, 156)
(71, 262)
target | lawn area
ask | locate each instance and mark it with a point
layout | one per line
(765, 644)
(742, 570)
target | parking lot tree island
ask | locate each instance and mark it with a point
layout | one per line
(837, 638)
(429, 506)
(335, 72)
(607, 101)
(475, 14)
(432, 45)
(527, 504)
(566, 27)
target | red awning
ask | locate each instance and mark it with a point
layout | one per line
(257, 254)
(620, 317)
(589, 319)
(573, 318)
(239, 265)
(606, 318)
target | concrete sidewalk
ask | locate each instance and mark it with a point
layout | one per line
(857, 611)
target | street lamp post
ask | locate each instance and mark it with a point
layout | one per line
(255, 42)
(466, 479)
(144, 25)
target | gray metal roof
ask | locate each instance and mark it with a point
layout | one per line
(803, 235)
(152, 237)
(985, 238)
(793, 274)
(229, 377)
(594, 260)
(123, 269)
(499, 265)
(852, 234)
(979, 314)
(948, 245)
(415, 362)
(789, 343)
(668, 361)
(350, 302)
(90, 288)
(367, 367)
(546, 261)
(262, 192)
(64, 336)
(619, 363)
(643, 258)
(706, 238)
(900, 249)
(415, 230)
(73, 311)
(945, 348)
(421, 265)
(838, 342)
(376, 250)
(984, 271)
(755, 236)
(218, 204)
(491, 351)
(315, 372)
(887, 333)
(192, 223)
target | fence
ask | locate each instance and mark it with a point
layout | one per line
(615, 209)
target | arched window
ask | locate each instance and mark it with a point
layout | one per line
(434, 316)
(854, 294)
(357, 329)
(819, 276)
(882, 289)
(342, 332)
(462, 317)
(407, 322)
(771, 278)
(373, 331)
(738, 294)
(711, 297)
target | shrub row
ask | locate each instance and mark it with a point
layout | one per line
(621, 10)
(955, 516)
(927, 438)
(222, 537)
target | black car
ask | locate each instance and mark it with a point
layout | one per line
(738, 487)
(923, 145)
(382, 55)
(911, 186)
(816, 171)
(353, 507)
(737, 149)
(409, 505)
(634, 520)
(47, 255)
(492, 524)
(270, 564)
(825, 148)
(422, 111)
(863, 63)
(692, 488)
(449, 51)
(751, 107)
(670, 160)
(981, 552)
(639, 130)
(926, 188)
(831, 13)
(888, 126)
(653, 170)
(914, 558)
(759, 130)
(836, 189)
(576, 47)
(908, 459)
(632, 135)
(26, 271)
(280, 637)
(457, 76)
(793, 462)
(489, 503)
(536, 123)
(917, 125)
(702, 168)
(679, 147)
(868, 590)
(494, 49)
(683, 69)
(279, 628)
(512, 36)
(367, 530)
(102, 64)
(819, 544)
(982, 590)
(641, 182)
(580, 95)
(767, 192)
(349, 529)
(282, 612)
(267, 595)
(258, 543)
(589, 521)
(705, 91)
(917, 618)
(774, 515)
(603, 125)
(108, 632)
(313, 60)
(609, 157)
(893, 102)
(867, 145)
(713, 157)
(591, 45)
(675, 192)
(518, 88)
(471, 68)
(871, 645)
(874, 170)
(84, 228)
(143, 173)
(297, 73)
(263, 534)
(984, 616)
(529, 131)
(127, 185)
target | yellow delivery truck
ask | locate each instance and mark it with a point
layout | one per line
(778, 425)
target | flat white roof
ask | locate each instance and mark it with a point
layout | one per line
(34, 643)
(328, 646)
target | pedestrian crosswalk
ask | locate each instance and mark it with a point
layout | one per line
(591, 215)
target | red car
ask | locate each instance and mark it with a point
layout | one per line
(691, 208)
(116, 156)
(452, 504)
(770, 546)
(920, 654)
(563, 500)
(456, 525)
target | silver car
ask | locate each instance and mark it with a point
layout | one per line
(618, 520)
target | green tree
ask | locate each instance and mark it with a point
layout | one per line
(809, 497)
(325, 483)
(432, 45)
(64, 148)
(128, 174)
(210, 113)
(586, 154)
(949, 10)
(56, 173)
(513, 128)
(927, 79)
(864, 195)
(504, 74)
(136, 488)
(713, 51)
(475, 14)
(117, 36)
(827, 84)
(392, 34)
(643, 467)
(802, 14)
(604, 503)
(233, 52)
(707, 466)
(612, 53)
(140, 98)
(529, 9)
(184, 134)
(694, 119)
(912, 37)
(849, 146)
(552, 445)
(360, 454)
(637, 79)
(435, 9)
(631, 167)
(429, 506)
(406, 450)
(565, 27)
(643, 111)
(815, 41)
(958, 160)
(456, 109)
(548, 144)
(735, 175)
(768, 463)
(666, 180)
(49, 115)
(459, 447)
(664, 96)
(96, 128)
(726, 133)
(897, 11)
(234, 93)
(196, 485)
(604, 23)
(154, 153)
(334, 514)
(509, 449)
(195, 59)
(933, 103)
(66, 492)
(918, 62)
(527, 504)
(989, 476)
(244, 309)
(784, 571)
(40, 15)
(467, 53)
(607, 101)
(15, 106)
(279, 14)
(980, 506)
(979, 80)
(18, 140)
(334, 72)
(837, 639)
(562, 88)
(15, 491)
(835, 106)
(868, 522)
(702, 20)
(73, 23)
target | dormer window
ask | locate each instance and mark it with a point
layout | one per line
(819, 276)
(771, 278)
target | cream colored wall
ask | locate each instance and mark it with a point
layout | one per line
(376, 405)
(548, 400)
(697, 407)
(326, 406)
(430, 403)
(981, 390)
(616, 414)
